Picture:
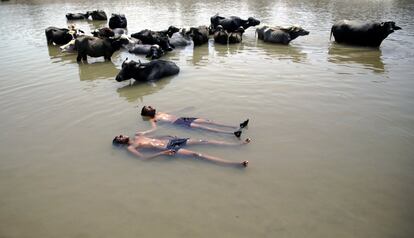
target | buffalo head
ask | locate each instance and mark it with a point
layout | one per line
(198, 34)
(155, 52)
(164, 42)
(171, 30)
(117, 21)
(389, 27)
(251, 22)
(295, 31)
(128, 69)
(104, 32)
(98, 15)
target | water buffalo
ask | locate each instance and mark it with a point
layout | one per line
(236, 37)
(61, 36)
(77, 16)
(260, 32)
(97, 47)
(156, 37)
(180, 38)
(170, 31)
(98, 15)
(362, 33)
(221, 36)
(144, 72)
(199, 35)
(108, 32)
(117, 21)
(281, 35)
(70, 47)
(104, 32)
(150, 51)
(232, 23)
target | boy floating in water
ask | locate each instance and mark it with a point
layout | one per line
(193, 122)
(170, 145)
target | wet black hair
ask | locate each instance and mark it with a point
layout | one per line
(147, 113)
(116, 142)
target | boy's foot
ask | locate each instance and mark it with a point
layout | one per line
(245, 163)
(244, 124)
(237, 133)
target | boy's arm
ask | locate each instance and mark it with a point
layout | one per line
(138, 154)
(153, 125)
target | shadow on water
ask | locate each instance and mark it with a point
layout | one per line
(99, 70)
(282, 52)
(137, 90)
(367, 57)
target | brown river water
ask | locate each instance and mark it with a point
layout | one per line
(332, 127)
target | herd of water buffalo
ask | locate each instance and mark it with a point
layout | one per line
(154, 44)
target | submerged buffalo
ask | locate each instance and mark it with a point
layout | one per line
(117, 21)
(362, 33)
(103, 32)
(156, 37)
(98, 15)
(232, 23)
(144, 72)
(97, 47)
(221, 36)
(236, 36)
(198, 34)
(280, 35)
(180, 39)
(61, 36)
(150, 51)
(77, 16)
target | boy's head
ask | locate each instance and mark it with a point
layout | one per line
(148, 111)
(120, 140)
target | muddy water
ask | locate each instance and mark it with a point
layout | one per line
(332, 127)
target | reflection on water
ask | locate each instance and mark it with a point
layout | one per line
(229, 49)
(280, 51)
(99, 70)
(96, 24)
(201, 54)
(331, 154)
(57, 56)
(367, 57)
(95, 68)
(137, 90)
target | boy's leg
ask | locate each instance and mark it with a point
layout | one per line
(205, 121)
(195, 125)
(211, 158)
(216, 142)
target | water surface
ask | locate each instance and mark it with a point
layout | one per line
(332, 127)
